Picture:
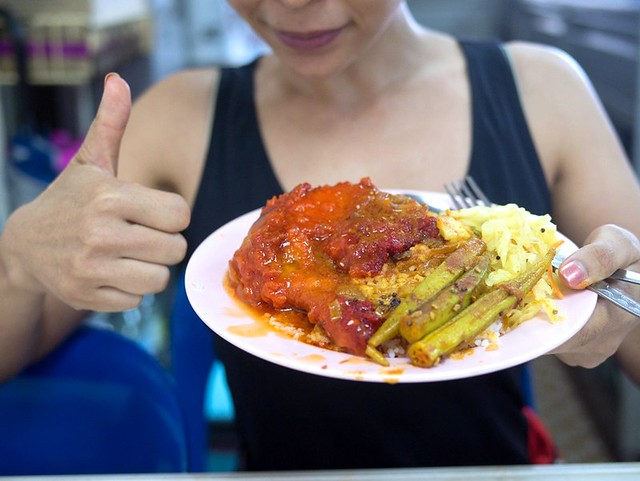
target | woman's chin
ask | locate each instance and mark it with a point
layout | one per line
(313, 68)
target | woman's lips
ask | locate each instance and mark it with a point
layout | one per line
(309, 40)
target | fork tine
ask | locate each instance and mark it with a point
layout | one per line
(477, 191)
(455, 198)
(470, 199)
(466, 194)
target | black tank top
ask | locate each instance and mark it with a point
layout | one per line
(290, 420)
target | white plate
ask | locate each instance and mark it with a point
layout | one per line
(204, 279)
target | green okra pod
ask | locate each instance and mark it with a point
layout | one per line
(477, 317)
(446, 304)
(448, 271)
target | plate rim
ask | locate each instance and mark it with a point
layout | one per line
(399, 371)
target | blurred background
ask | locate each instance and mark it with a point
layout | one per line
(55, 53)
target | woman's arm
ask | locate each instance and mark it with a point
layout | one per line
(595, 192)
(629, 355)
(90, 241)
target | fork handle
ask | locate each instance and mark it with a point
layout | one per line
(616, 296)
(626, 276)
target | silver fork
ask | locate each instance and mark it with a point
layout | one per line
(466, 193)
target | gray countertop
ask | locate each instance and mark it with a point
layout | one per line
(563, 472)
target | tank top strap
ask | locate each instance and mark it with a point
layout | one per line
(504, 160)
(237, 175)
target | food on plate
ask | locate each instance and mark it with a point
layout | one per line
(355, 269)
(457, 329)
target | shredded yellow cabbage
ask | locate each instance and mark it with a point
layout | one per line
(516, 238)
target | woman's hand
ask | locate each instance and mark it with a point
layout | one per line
(91, 240)
(606, 249)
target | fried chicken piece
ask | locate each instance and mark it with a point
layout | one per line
(309, 244)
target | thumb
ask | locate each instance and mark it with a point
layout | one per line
(607, 248)
(101, 146)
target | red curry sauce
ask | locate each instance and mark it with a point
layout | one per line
(308, 244)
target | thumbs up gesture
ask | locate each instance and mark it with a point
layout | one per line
(90, 239)
(101, 147)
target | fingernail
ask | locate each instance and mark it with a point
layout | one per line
(109, 75)
(574, 273)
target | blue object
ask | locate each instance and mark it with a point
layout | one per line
(218, 403)
(33, 155)
(99, 404)
(192, 357)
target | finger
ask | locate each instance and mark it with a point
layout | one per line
(137, 204)
(109, 299)
(136, 277)
(104, 299)
(608, 248)
(588, 350)
(156, 209)
(127, 275)
(101, 146)
(150, 245)
(596, 341)
(117, 285)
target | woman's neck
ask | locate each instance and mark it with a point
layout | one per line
(398, 55)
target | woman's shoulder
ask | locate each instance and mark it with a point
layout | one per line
(185, 85)
(168, 132)
(539, 65)
(555, 92)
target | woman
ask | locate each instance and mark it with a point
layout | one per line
(354, 88)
